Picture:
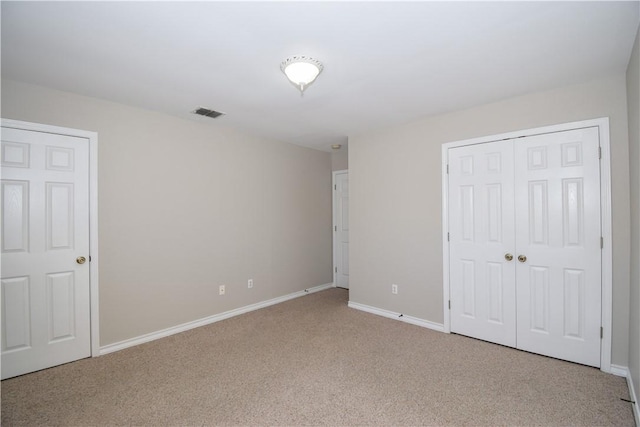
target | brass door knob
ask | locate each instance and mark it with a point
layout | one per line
(81, 260)
(522, 258)
(508, 257)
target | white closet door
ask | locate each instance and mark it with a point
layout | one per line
(482, 280)
(557, 215)
(45, 232)
(537, 198)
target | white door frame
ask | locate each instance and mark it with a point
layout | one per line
(92, 138)
(334, 174)
(605, 218)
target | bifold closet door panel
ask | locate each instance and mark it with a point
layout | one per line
(482, 235)
(557, 223)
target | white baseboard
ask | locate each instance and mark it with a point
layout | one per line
(398, 316)
(623, 371)
(619, 371)
(634, 398)
(110, 348)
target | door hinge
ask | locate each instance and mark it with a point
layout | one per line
(336, 269)
(335, 186)
(448, 237)
(335, 228)
(449, 304)
(447, 169)
(601, 332)
(599, 152)
(601, 242)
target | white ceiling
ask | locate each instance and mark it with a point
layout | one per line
(386, 63)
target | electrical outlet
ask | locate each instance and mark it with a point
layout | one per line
(221, 290)
(394, 289)
(250, 283)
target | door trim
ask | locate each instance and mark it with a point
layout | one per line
(92, 138)
(334, 224)
(605, 217)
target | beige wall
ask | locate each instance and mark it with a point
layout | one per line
(395, 202)
(633, 103)
(340, 159)
(186, 206)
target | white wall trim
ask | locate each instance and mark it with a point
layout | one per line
(446, 295)
(634, 398)
(397, 316)
(605, 217)
(334, 217)
(92, 139)
(110, 348)
(620, 371)
(607, 251)
(623, 371)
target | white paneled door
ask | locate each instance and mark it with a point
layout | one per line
(482, 234)
(45, 250)
(341, 229)
(558, 231)
(525, 243)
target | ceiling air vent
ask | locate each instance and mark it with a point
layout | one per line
(207, 112)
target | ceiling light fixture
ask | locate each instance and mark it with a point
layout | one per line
(301, 70)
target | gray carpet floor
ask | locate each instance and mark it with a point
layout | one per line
(314, 361)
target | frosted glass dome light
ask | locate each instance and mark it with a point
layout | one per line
(301, 70)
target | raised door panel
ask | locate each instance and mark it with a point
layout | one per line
(495, 294)
(59, 214)
(15, 154)
(538, 213)
(468, 287)
(494, 213)
(466, 201)
(16, 314)
(538, 299)
(15, 216)
(61, 306)
(574, 304)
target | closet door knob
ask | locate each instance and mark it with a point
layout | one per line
(522, 258)
(508, 257)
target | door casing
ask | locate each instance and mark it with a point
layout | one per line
(605, 218)
(92, 138)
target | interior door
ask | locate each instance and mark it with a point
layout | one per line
(45, 250)
(537, 199)
(557, 203)
(341, 229)
(482, 270)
